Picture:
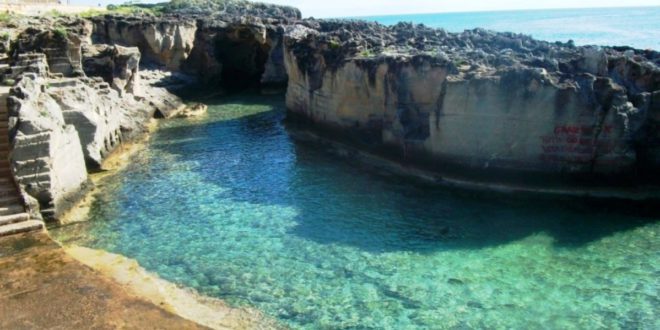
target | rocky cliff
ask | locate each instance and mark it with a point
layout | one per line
(73, 102)
(479, 102)
(480, 105)
(231, 50)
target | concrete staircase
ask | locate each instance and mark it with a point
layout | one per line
(13, 217)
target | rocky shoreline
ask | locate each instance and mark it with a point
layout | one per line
(479, 109)
(478, 104)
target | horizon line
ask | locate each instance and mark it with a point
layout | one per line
(487, 11)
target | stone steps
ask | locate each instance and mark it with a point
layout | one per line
(36, 144)
(13, 218)
(61, 83)
(6, 191)
(10, 200)
(21, 227)
(11, 209)
(39, 161)
(34, 138)
(41, 176)
(6, 181)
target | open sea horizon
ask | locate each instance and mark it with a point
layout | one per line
(638, 27)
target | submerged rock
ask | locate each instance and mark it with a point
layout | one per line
(195, 110)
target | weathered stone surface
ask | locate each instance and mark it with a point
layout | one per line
(63, 123)
(477, 101)
(47, 157)
(167, 42)
(117, 65)
(62, 44)
(233, 51)
(457, 103)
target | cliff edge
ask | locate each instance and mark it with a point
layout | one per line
(480, 104)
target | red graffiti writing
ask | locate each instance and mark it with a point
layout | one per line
(576, 143)
(575, 129)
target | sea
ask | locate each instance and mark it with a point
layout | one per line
(231, 205)
(637, 27)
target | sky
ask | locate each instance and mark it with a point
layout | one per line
(352, 8)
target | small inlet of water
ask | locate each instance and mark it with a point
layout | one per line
(232, 206)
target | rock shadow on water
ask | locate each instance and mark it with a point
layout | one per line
(346, 203)
(390, 213)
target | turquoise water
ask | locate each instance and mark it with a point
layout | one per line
(637, 27)
(232, 206)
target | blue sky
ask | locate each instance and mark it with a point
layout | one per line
(339, 8)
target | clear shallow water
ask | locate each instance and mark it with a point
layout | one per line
(637, 27)
(231, 206)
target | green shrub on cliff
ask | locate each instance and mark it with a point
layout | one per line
(367, 53)
(60, 32)
(333, 44)
(91, 13)
(236, 7)
(134, 8)
(5, 17)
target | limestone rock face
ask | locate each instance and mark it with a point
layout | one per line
(95, 110)
(478, 101)
(63, 123)
(47, 157)
(117, 65)
(234, 51)
(61, 46)
(167, 42)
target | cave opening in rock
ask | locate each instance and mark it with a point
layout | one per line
(243, 60)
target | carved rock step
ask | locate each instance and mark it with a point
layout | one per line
(8, 191)
(21, 227)
(63, 83)
(9, 200)
(34, 138)
(14, 218)
(11, 209)
(41, 176)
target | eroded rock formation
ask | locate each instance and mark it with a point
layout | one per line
(47, 156)
(167, 42)
(223, 49)
(478, 101)
(64, 121)
(478, 104)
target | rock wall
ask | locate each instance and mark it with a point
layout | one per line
(117, 65)
(166, 42)
(47, 157)
(470, 104)
(232, 51)
(62, 44)
(64, 123)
